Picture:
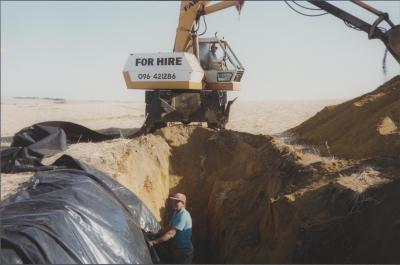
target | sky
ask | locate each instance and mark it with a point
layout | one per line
(77, 50)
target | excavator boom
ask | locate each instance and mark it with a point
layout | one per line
(390, 38)
(190, 12)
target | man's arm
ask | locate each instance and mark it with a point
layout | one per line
(170, 233)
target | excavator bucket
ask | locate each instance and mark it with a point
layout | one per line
(393, 37)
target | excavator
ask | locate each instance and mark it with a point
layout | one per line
(182, 87)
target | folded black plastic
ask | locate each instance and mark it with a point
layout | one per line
(31, 144)
(75, 215)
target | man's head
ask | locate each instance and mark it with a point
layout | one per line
(214, 47)
(178, 201)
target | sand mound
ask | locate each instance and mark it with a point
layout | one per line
(367, 126)
(141, 164)
(256, 200)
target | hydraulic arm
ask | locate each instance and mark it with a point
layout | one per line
(391, 38)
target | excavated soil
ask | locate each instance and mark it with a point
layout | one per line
(365, 127)
(255, 199)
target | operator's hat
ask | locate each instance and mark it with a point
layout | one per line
(179, 197)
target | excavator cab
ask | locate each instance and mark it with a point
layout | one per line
(224, 75)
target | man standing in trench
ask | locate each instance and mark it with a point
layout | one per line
(180, 230)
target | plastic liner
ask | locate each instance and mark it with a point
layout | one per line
(75, 215)
(32, 144)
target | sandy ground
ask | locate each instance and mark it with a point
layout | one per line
(19, 113)
(270, 117)
(267, 117)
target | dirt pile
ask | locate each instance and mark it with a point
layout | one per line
(254, 199)
(367, 126)
(141, 164)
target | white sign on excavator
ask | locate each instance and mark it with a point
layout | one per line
(161, 68)
(159, 61)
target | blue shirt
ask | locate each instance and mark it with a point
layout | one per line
(182, 222)
(212, 56)
(213, 61)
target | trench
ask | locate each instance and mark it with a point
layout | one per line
(253, 200)
(221, 175)
(228, 178)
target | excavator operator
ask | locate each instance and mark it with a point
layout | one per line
(213, 62)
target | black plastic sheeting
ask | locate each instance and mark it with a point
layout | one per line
(32, 144)
(75, 215)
